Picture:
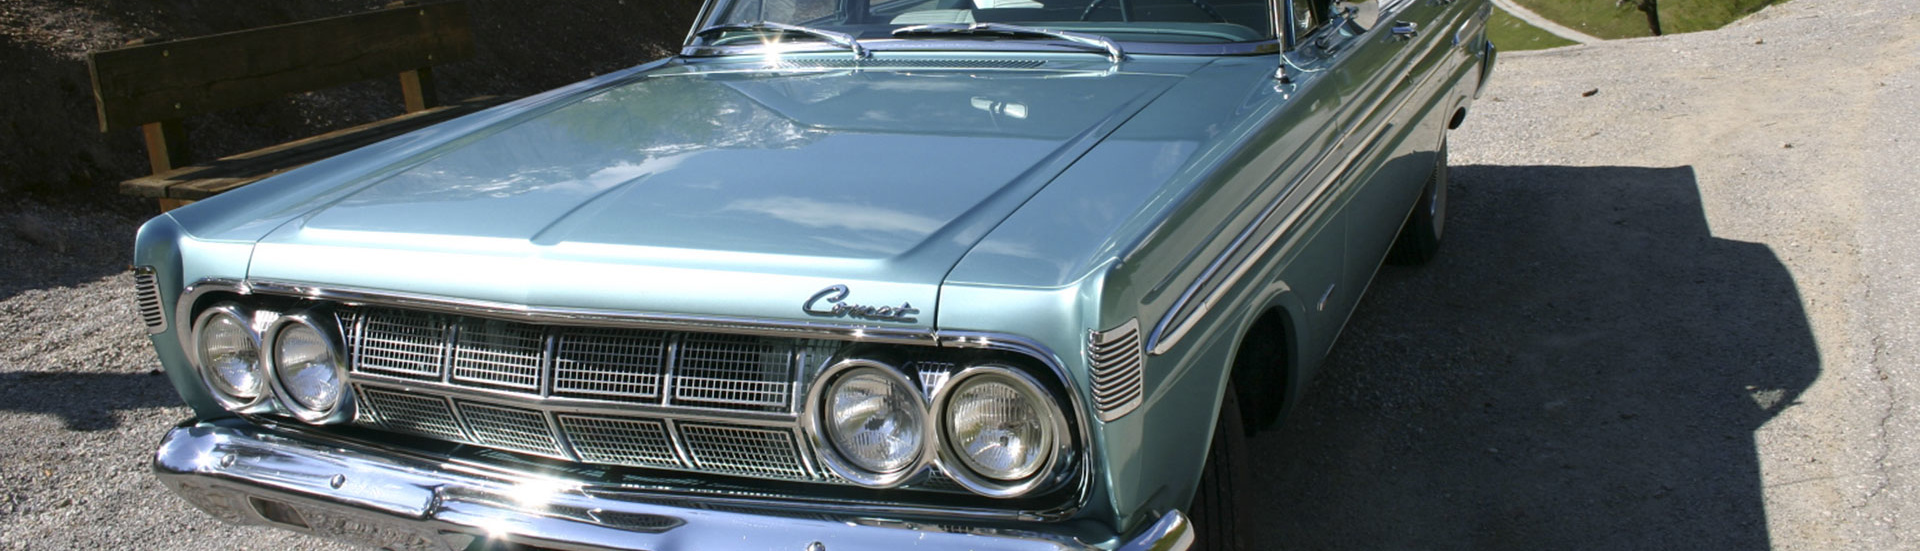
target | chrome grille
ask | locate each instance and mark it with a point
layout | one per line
(733, 370)
(399, 344)
(1118, 370)
(700, 402)
(610, 364)
(413, 413)
(720, 404)
(636, 442)
(497, 354)
(510, 429)
(146, 292)
(743, 450)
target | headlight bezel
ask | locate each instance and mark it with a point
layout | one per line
(816, 425)
(341, 409)
(263, 392)
(956, 467)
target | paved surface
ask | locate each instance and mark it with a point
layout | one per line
(1676, 314)
(1543, 23)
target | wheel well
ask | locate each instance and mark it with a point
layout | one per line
(1261, 370)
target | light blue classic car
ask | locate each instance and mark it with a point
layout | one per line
(928, 274)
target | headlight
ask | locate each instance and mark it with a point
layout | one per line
(227, 351)
(307, 371)
(1000, 427)
(873, 419)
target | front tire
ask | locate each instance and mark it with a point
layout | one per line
(1220, 512)
(1419, 239)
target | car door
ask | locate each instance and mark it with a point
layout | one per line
(1410, 41)
(1352, 62)
(1370, 65)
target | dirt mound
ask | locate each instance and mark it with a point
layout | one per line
(51, 148)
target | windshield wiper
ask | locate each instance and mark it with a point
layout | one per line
(836, 38)
(1114, 53)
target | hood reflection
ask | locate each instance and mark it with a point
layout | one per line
(745, 158)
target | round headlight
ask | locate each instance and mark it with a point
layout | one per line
(228, 352)
(307, 370)
(875, 422)
(1000, 425)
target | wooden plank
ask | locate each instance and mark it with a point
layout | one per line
(170, 80)
(416, 89)
(209, 179)
(166, 144)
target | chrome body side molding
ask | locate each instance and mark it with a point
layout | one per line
(1207, 290)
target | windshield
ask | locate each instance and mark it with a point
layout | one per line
(1127, 21)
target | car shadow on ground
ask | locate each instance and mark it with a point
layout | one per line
(84, 401)
(1583, 367)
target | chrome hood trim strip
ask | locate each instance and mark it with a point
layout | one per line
(557, 316)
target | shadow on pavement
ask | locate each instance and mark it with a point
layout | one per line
(84, 401)
(1583, 367)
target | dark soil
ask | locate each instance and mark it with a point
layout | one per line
(52, 150)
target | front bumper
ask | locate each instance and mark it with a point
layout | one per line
(246, 474)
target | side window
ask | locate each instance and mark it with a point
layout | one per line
(780, 11)
(1366, 13)
(1304, 18)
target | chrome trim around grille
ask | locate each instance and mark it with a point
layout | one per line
(1117, 366)
(430, 396)
(146, 293)
(582, 317)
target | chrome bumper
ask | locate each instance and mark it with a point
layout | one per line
(249, 475)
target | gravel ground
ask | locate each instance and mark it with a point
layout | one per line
(1676, 312)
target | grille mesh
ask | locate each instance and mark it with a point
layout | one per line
(509, 359)
(610, 364)
(403, 412)
(146, 291)
(711, 370)
(498, 354)
(732, 370)
(743, 450)
(1118, 370)
(510, 429)
(400, 344)
(637, 442)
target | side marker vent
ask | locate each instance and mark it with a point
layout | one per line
(146, 290)
(1119, 365)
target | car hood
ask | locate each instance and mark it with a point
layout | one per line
(735, 190)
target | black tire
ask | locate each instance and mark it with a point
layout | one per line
(1220, 512)
(1419, 239)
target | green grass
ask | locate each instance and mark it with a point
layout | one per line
(1609, 19)
(1510, 34)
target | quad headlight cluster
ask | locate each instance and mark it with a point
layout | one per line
(991, 428)
(259, 361)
